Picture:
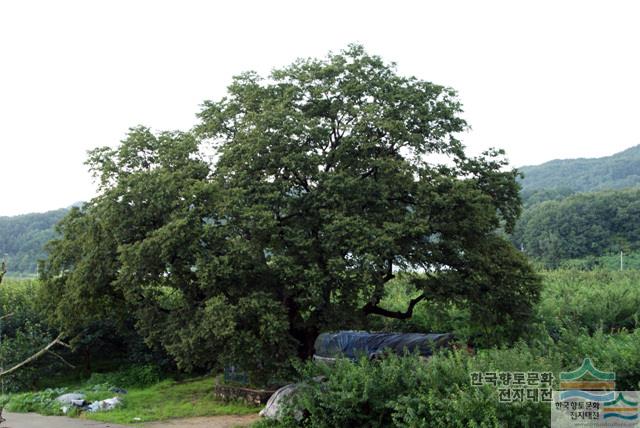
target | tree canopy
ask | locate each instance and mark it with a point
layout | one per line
(286, 211)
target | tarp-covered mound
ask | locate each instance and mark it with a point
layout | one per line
(353, 344)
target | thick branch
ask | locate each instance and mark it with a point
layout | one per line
(35, 356)
(373, 308)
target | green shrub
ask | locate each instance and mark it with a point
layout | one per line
(23, 333)
(592, 300)
(133, 376)
(411, 392)
(43, 402)
(619, 353)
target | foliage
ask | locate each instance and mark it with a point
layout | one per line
(132, 376)
(428, 316)
(580, 212)
(101, 348)
(630, 261)
(594, 300)
(580, 314)
(23, 333)
(572, 304)
(581, 225)
(82, 301)
(533, 197)
(331, 175)
(42, 402)
(619, 353)
(409, 392)
(22, 239)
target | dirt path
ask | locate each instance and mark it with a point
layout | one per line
(206, 422)
(32, 420)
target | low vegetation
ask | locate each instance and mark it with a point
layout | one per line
(163, 400)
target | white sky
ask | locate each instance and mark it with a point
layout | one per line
(541, 79)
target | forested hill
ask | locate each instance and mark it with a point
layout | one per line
(619, 171)
(588, 224)
(581, 208)
(22, 238)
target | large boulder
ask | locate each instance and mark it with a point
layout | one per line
(70, 398)
(108, 404)
(273, 409)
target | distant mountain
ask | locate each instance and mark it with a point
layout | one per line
(22, 238)
(619, 171)
(577, 208)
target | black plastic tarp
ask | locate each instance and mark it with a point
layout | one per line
(353, 344)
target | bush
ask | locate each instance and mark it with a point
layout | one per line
(43, 402)
(130, 377)
(619, 353)
(24, 333)
(591, 300)
(409, 392)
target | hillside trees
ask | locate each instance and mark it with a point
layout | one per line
(580, 225)
(618, 171)
(329, 177)
(22, 238)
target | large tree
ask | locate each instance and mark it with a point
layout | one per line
(329, 176)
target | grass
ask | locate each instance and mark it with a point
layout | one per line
(164, 400)
(171, 399)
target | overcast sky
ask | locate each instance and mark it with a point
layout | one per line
(543, 80)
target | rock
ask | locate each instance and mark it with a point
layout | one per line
(68, 398)
(108, 404)
(118, 390)
(273, 409)
(274, 406)
(78, 403)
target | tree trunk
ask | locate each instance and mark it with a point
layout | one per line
(87, 359)
(305, 336)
